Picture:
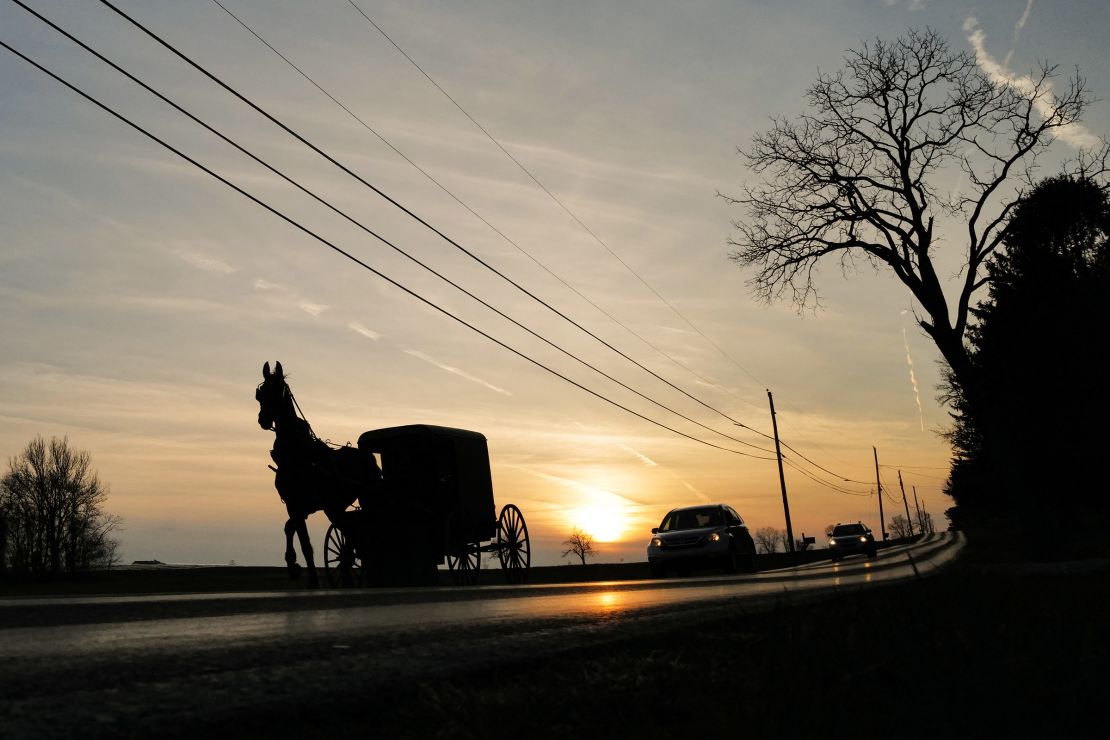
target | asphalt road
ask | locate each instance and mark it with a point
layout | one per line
(109, 666)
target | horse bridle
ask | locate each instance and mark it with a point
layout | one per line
(287, 391)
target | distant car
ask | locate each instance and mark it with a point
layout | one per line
(851, 539)
(694, 536)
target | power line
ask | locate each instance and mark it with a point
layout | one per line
(347, 254)
(366, 229)
(409, 212)
(588, 231)
(593, 234)
(835, 475)
(551, 195)
(470, 209)
(451, 241)
(826, 484)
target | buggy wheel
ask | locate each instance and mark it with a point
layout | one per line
(513, 549)
(342, 565)
(464, 564)
(464, 559)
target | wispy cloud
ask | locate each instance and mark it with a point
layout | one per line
(360, 329)
(455, 371)
(260, 284)
(639, 455)
(648, 461)
(1074, 134)
(74, 203)
(701, 496)
(310, 308)
(208, 264)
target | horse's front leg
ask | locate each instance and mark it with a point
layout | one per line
(306, 550)
(291, 565)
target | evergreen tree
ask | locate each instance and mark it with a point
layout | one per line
(1030, 427)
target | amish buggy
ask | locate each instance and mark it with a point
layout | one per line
(436, 505)
(402, 502)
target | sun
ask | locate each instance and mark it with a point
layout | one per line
(604, 523)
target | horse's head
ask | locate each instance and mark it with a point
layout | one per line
(274, 400)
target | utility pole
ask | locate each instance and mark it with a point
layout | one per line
(905, 503)
(782, 478)
(879, 482)
(917, 508)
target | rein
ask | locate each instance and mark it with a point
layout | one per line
(301, 415)
(297, 408)
(311, 431)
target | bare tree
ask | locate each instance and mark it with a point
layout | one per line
(52, 502)
(854, 179)
(767, 539)
(900, 527)
(580, 544)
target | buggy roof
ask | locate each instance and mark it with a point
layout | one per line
(378, 436)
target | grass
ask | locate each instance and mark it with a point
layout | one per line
(958, 655)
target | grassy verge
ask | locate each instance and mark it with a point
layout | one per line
(960, 655)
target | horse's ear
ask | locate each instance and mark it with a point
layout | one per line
(277, 371)
(266, 370)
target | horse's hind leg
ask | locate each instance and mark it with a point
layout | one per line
(291, 565)
(306, 550)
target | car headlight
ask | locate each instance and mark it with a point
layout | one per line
(656, 542)
(863, 539)
(715, 537)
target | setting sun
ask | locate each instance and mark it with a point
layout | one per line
(603, 523)
(603, 515)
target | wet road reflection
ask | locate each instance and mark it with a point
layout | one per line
(581, 603)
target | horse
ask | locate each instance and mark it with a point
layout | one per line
(310, 474)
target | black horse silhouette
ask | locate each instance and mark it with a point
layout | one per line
(311, 475)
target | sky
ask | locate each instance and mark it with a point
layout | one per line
(139, 297)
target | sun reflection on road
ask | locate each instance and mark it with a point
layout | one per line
(610, 600)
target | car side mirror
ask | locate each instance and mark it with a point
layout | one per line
(655, 530)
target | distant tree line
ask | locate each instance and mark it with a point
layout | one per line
(52, 518)
(769, 540)
(920, 522)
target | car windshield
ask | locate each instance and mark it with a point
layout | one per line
(847, 529)
(692, 519)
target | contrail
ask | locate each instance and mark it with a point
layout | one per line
(913, 380)
(1017, 31)
(1075, 134)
